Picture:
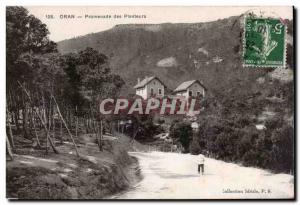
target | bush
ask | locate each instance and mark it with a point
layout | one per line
(195, 147)
(282, 149)
(238, 140)
(143, 128)
(182, 132)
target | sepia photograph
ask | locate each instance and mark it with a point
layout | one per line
(150, 103)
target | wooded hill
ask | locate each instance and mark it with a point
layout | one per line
(210, 52)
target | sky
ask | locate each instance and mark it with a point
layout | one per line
(62, 28)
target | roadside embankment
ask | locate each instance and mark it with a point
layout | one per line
(93, 175)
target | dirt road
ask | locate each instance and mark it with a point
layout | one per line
(175, 176)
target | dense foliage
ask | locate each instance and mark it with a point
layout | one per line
(43, 84)
(257, 132)
(182, 132)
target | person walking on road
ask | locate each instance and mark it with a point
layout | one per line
(200, 164)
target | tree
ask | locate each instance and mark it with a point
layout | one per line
(32, 71)
(96, 77)
(282, 139)
(46, 87)
(89, 77)
(25, 36)
(182, 132)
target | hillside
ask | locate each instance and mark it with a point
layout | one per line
(210, 52)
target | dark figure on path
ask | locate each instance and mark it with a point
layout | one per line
(201, 165)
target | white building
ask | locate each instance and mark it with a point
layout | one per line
(192, 88)
(150, 87)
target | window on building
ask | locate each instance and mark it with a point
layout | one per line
(151, 91)
(190, 93)
(159, 91)
(199, 94)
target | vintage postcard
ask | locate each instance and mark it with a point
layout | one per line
(150, 103)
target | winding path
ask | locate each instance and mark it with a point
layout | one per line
(174, 176)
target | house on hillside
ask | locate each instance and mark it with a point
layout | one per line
(192, 88)
(150, 87)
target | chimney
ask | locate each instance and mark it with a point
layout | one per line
(139, 80)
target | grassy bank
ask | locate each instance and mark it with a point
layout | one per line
(94, 175)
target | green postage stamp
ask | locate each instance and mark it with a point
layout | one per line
(264, 42)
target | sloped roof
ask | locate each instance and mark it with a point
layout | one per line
(185, 85)
(146, 81)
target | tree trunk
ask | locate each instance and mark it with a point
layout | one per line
(61, 132)
(118, 126)
(35, 132)
(11, 136)
(53, 125)
(101, 136)
(112, 128)
(97, 133)
(76, 124)
(58, 110)
(8, 149)
(41, 120)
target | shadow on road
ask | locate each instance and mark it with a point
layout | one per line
(178, 176)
